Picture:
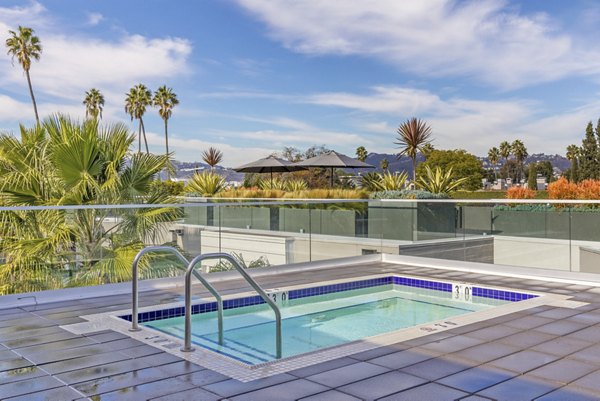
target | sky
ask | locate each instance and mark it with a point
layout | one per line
(254, 76)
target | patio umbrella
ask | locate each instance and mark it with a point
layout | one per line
(333, 159)
(269, 164)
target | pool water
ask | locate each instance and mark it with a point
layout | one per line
(316, 322)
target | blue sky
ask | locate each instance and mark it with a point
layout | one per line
(254, 76)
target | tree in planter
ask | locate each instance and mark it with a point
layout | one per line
(573, 153)
(589, 167)
(384, 164)
(62, 162)
(212, 157)
(460, 163)
(532, 177)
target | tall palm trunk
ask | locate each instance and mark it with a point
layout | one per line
(140, 137)
(414, 160)
(167, 145)
(37, 118)
(144, 133)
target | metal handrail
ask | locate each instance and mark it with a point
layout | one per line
(134, 286)
(187, 347)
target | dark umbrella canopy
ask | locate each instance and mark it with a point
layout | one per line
(333, 159)
(269, 164)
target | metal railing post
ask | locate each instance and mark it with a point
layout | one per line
(187, 347)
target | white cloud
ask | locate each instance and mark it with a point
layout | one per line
(190, 149)
(94, 18)
(73, 63)
(489, 40)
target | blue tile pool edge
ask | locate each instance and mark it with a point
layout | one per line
(483, 292)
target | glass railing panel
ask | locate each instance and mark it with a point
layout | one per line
(342, 229)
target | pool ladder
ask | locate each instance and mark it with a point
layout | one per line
(190, 270)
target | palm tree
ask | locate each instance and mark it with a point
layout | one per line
(137, 99)
(494, 157)
(573, 152)
(24, 46)
(384, 164)
(520, 152)
(62, 162)
(165, 99)
(212, 157)
(413, 134)
(94, 103)
(505, 150)
(361, 153)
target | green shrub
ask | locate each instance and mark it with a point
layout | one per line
(173, 188)
(205, 184)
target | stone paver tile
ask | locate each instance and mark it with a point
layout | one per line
(486, 352)
(520, 388)
(16, 363)
(427, 392)
(322, 367)
(347, 374)
(563, 371)
(14, 375)
(119, 381)
(140, 351)
(331, 395)
(562, 346)
(589, 318)
(146, 391)
(529, 322)
(60, 393)
(56, 346)
(569, 393)
(453, 344)
(475, 379)
(97, 372)
(561, 327)
(7, 354)
(382, 385)
(590, 355)
(476, 398)
(195, 394)
(589, 382)
(179, 368)
(227, 388)
(293, 390)
(588, 334)
(203, 377)
(558, 313)
(37, 340)
(523, 361)
(83, 362)
(403, 358)
(105, 336)
(527, 338)
(494, 332)
(437, 368)
(377, 352)
(28, 386)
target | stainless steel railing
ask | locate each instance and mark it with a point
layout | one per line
(187, 346)
(174, 251)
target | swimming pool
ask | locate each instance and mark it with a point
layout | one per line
(327, 316)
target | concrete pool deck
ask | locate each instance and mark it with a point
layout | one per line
(546, 353)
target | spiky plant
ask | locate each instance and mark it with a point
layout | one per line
(205, 184)
(274, 183)
(296, 185)
(371, 181)
(212, 157)
(393, 182)
(438, 181)
(413, 134)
